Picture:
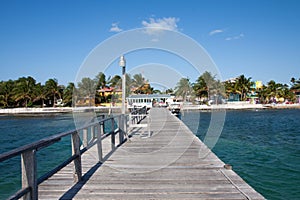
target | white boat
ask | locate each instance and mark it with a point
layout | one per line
(175, 107)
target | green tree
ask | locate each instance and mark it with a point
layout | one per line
(138, 80)
(262, 94)
(243, 86)
(272, 89)
(101, 81)
(200, 88)
(6, 94)
(156, 91)
(40, 94)
(68, 94)
(295, 84)
(115, 81)
(286, 93)
(206, 85)
(53, 90)
(183, 88)
(128, 83)
(87, 89)
(24, 90)
(169, 91)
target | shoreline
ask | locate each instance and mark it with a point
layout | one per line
(241, 106)
(117, 109)
(56, 110)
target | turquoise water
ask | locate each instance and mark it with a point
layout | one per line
(18, 131)
(262, 146)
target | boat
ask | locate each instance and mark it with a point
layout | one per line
(175, 108)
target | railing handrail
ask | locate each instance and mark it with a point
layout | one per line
(45, 142)
(136, 117)
(28, 154)
(138, 110)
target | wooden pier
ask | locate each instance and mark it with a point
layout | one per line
(171, 164)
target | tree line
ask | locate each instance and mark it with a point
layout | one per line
(207, 86)
(26, 92)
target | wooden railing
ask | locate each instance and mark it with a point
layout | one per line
(95, 130)
(136, 117)
(28, 153)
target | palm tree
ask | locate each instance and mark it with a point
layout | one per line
(101, 81)
(138, 81)
(156, 91)
(262, 94)
(295, 84)
(129, 83)
(68, 94)
(23, 92)
(183, 88)
(52, 89)
(243, 86)
(115, 81)
(206, 85)
(286, 93)
(169, 91)
(200, 87)
(6, 95)
(40, 94)
(87, 88)
(273, 90)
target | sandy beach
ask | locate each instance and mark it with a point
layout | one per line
(228, 106)
(241, 106)
(50, 110)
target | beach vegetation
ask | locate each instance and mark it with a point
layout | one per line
(26, 92)
(184, 89)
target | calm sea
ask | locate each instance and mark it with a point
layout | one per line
(262, 146)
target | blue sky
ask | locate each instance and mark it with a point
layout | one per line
(51, 39)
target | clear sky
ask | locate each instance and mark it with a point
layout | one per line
(50, 39)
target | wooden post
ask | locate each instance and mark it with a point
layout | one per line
(99, 143)
(148, 125)
(93, 133)
(121, 128)
(76, 151)
(85, 137)
(112, 134)
(29, 174)
(126, 121)
(103, 127)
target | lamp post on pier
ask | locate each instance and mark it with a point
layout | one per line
(122, 64)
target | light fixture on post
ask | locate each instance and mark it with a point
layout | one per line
(122, 63)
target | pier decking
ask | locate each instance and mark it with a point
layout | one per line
(172, 164)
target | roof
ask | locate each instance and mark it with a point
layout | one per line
(149, 96)
(109, 89)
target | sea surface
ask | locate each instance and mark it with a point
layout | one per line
(263, 146)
